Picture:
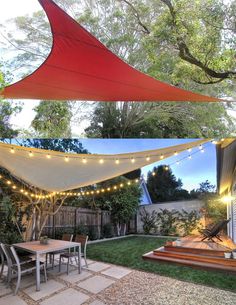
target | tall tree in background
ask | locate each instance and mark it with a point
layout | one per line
(187, 44)
(7, 109)
(52, 119)
(163, 186)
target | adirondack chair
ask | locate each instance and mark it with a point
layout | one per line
(214, 232)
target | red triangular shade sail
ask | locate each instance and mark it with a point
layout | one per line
(80, 67)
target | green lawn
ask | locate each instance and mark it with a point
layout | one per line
(128, 252)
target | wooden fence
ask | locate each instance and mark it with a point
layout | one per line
(72, 218)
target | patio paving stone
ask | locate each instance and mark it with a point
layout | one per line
(27, 281)
(116, 272)
(67, 297)
(74, 276)
(95, 284)
(12, 300)
(97, 267)
(4, 289)
(46, 289)
(55, 270)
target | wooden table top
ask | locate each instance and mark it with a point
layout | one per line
(53, 245)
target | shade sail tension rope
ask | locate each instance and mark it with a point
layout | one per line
(57, 172)
(79, 67)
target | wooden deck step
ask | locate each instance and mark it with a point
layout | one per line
(191, 263)
(209, 252)
(195, 257)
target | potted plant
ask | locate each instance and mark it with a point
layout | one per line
(234, 254)
(44, 240)
(227, 254)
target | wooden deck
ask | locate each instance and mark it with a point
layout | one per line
(195, 253)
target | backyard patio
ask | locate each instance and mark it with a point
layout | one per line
(106, 283)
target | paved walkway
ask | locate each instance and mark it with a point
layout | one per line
(102, 284)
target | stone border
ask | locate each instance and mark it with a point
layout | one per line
(130, 235)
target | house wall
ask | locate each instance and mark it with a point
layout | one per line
(231, 211)
(187, 205)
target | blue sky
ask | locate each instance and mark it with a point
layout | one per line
(201, 167)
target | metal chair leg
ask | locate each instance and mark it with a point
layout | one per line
(18, 283)
(85, 260)
(68, 266)
(45, 273)
(60, 264)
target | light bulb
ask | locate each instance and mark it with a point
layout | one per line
(12, 150)
(108, 189)
(189, 149)
(84, 160)
(121, 185)
(136, 180)
(115, 187)
(132, 160)
(8, 182)
(128, 182)
(66, 159)
(202, 150)
(14, 187)
(166, 168)
(153, 173)
(48, 156)
(175, 153)
(101, 161)
(190, 157)
(117, 161)
(161, 157)
(31, 154)
(148, 159)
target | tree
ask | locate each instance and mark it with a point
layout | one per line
(190, 45)
(160, 120)
(7, 109)
(163, 186)
(38, 208)
(53, 119)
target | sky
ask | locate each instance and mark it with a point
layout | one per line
(11, 9)
(193, 171)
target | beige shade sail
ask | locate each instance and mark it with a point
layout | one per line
(57, 172)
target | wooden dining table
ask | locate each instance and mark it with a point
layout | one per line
(36, 248)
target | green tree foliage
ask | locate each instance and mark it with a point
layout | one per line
(7, 110)
(53, 119)
(62, 145)
(122, 203)
(164, 186)
(187, 44)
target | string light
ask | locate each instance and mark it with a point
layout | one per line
(189, 149)
(101, 161)
(166, 168)
(48, 156)
(84, 160)
(117, 161)
(147, 158)
(12, 150)
(66, 159)
(31, 154)
(176, 153)
(162, 157)
(189, 157)
(202, 150)
(132, 160)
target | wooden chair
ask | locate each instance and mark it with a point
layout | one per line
(17, 268)
(65, 237)
(214, 232)
(82, 239)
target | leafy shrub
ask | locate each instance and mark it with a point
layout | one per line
(167, 221)
(60, 231)
(108, 230)
(93, 232)
(149, 220)
(189, 221)
(82, 229)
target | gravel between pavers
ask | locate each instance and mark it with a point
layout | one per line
(143, 288)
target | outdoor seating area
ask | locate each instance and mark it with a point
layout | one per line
(194, 251)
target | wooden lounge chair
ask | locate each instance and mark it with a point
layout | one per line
(214, 232)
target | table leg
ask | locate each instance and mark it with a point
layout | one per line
(79, 259)
(37, 272)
